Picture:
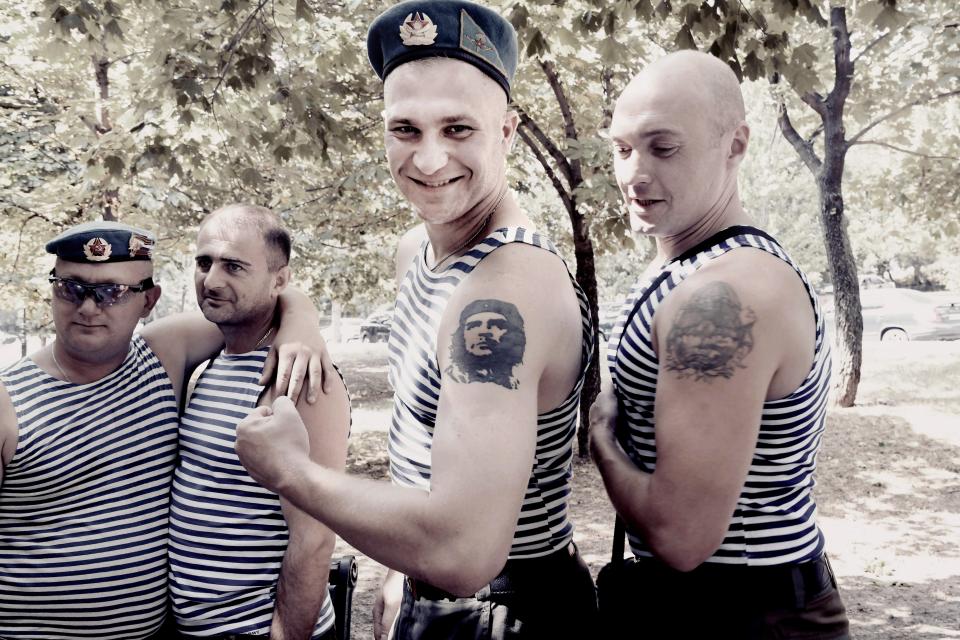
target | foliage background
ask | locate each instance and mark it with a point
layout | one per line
(158, 112)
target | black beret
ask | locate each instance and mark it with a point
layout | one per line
(444, 29)
(102, 242)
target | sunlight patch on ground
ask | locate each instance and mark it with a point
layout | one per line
(882, 548)
(930, 422)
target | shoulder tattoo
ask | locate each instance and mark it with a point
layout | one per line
(488, 344)
(711, 334)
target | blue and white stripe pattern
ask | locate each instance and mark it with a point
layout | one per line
(84, 502)
(227, 533)
(543, 526)
(775, 517)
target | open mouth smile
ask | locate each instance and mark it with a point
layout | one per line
(437, 184)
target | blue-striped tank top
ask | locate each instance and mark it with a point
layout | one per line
(543, 526)
(84, 502)
(775, 518)
(227, 533)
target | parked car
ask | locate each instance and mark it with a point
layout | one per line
(908, 314)
(376, 328)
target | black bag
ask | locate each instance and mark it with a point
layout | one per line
(614, 584)
(343, 578)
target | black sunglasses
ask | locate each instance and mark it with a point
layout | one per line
(104, 294)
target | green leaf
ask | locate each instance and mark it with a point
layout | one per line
(611, 51)
(251, 177)
(684, 39)
(114, 165)
(305, 11)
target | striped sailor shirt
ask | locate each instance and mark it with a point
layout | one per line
(775, 518)
(227, 533)
(84, 502)
(543, 526)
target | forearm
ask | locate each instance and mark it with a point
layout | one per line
(301, 589)
(406, 529)
(656, 509)
(293, 303)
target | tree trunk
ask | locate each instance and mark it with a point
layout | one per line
(587, 279)
(101, 66)
(846, 291)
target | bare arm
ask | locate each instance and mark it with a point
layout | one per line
(8, 430)
(302, 586)
(720, 348)
(183, 340)
(482, 455)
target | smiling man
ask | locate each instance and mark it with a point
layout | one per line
(88, 439)
(481, 437)
(708, 436)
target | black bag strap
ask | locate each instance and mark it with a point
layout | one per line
(619, 534)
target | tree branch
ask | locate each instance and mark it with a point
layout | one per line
(903, 109)
(842, 64)
(562, 164)
(551, 174)
(902, 150)
(569, 124)
(234, 41)
(867, 48)
(803, 147)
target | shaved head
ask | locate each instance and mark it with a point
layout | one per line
(701, 80)
(267, 223)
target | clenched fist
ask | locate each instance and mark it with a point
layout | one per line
(272, 443)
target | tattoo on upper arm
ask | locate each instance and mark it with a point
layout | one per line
(711, 335)
(488, 344)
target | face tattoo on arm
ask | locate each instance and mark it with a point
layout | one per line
(711, 335)
(488, 344)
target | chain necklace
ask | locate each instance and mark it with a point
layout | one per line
(261, 340)
(473, 236)
(53, 354)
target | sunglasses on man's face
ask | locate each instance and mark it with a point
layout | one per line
(104, 294)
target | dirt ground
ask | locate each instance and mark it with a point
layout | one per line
(888, 489)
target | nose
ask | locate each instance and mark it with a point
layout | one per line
(430, 156)
(88, 306)
(633, 172)
(213, 278)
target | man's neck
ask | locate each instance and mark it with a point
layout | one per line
(454, 237)
(61, 364)
(249, 336)
(731, 214)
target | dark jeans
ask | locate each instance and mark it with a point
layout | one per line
(551, 597)
(725, 601)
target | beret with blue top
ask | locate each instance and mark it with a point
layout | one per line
(102, 242)
(456, 29)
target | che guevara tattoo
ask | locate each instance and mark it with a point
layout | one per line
(488, 344)
(711, 335)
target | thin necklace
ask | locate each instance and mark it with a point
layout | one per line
(473, 236)
(53, 353)
(260, 341)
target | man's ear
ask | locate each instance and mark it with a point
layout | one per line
(281, 279)
(150, 297)
(739, 143)
(511, 121)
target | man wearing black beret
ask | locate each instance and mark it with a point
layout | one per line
(474, 525)
(88, 440)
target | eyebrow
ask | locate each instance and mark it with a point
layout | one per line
(646, 134)
(223, 259)
(444, 120)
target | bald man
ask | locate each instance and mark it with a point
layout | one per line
(708, 434)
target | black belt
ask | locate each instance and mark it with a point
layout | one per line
(790, 585)
(512, 577)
